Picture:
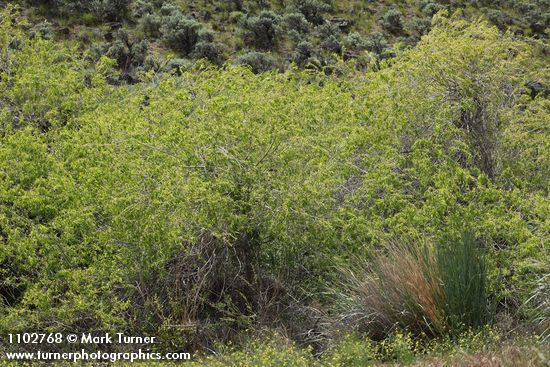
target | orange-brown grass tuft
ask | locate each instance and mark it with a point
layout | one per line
(402, 289)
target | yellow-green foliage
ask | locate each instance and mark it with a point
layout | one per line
(103, 188)
(355, 351)
(273, 352)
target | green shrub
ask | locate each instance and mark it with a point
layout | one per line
(89, 18)
(211, 51)
(303, 53)
(522, 156)
(392, 20)
(377, 43)
(215, 195)
(313, 10)
(296, 22)
(261, 352)
(179, 32)
(259, 62)
(151, 24)
(351, 350)
(43, 99)
(261, 31)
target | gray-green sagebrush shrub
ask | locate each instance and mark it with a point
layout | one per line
(354, 41)
(332, 44)
(151, 25)
(296, 22)
(303, 53)
(430, 7)
(420, 26)
(259, 62)
(107, 10)
(377, 43)
(262, 31)
(392, 20)
(212, 51)
(43, 29)
(127, 52)
(313, 10)
(178, 31)
(142, 8)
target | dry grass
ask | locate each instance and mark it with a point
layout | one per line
(401, 289)
(417, 287)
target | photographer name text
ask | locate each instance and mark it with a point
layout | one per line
(82, 338)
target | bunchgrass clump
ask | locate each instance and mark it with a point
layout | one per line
(539, 306)
(400, 290)
(463, 272)
(428, 291)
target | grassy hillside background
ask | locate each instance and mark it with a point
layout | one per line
(383, 201)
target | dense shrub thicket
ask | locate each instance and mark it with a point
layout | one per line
(193, 206)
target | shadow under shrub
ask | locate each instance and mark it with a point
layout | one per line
(210, 291)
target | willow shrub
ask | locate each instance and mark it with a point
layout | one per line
(258, 179)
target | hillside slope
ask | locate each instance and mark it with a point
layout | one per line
(161, 35)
